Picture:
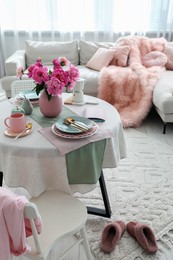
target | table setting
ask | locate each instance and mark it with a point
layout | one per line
(66, 151)
(83, 130)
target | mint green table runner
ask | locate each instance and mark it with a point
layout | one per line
(84, 164)
(46, 121)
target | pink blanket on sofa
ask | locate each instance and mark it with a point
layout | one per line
(130, 88)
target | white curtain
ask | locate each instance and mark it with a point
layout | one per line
(91, 20)
(2, 71)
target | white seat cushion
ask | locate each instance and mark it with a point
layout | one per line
(163, 93)
(91, 80)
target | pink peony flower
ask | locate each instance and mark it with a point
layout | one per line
(38, 59)
(56, 64)
(53, 81)
(40, 74)
(54, 86)
(73, 73)
(30, 69)
(63, 61)
(19, 72)
(61, 75)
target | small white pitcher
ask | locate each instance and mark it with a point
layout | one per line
(78, 95)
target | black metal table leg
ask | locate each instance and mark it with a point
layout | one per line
(1, 178)
(106, 212)
(164, 128)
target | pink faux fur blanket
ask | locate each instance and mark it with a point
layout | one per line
(130, 88)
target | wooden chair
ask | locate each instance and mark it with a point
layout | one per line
(63, 216)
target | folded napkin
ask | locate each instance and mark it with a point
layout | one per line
(15, 102)
(97, 114)
(68, 145)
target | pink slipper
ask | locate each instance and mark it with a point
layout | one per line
(111, 235)
(144, 235)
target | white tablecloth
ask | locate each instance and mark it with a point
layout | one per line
(36, 164)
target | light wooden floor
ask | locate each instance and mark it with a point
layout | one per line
(153, 127)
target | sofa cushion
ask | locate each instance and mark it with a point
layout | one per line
(87, 49)
(154, 58)
(121, 54)
(91, 80)
(168, 50)
(48, 51)
(101, 58)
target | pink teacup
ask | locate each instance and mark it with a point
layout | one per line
(16, 122)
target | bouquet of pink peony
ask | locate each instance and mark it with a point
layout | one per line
(63, 75)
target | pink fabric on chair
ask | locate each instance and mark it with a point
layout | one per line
(14, 228)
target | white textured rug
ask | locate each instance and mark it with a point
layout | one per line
(140, 189)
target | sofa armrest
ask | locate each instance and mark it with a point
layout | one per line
(14, 61)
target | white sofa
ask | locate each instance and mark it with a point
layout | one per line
(163, 92)
(79, 53)
(163, 98)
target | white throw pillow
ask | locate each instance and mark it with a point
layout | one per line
(100, 59)
(87, 49)
(48, 51)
